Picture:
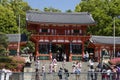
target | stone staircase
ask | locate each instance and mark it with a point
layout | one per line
(68, 65)
(30, 71)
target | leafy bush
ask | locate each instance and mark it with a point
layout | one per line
(13, 63)
(18, 59)
(11, 66)
(5, 59)
(2, 65)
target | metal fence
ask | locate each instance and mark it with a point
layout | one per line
(54, 76)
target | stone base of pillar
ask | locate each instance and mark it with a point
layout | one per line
(70, 57)
(50, 56)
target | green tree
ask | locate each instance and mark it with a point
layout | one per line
(77, 8)
(7, 20)
(19, 7)
(3, 43)
(69, 10)
(103, 11)
(9, 16)
(50, 9)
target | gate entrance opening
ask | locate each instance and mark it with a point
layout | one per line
(60, 52)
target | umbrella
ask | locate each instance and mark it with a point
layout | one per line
(115, 61)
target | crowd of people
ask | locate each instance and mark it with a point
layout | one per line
(107, 72)
(76, 68)
(95, 71)
(53, 66)
(111, 73)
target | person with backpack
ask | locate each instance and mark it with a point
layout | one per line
(66, 74)
(37, 65)
(118, 72)
(108, 72)
(99, 66)
(104, 74)
(60, 72)
(77, 73)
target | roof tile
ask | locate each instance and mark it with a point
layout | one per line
(60, 18)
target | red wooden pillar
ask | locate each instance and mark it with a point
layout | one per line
(95, 52)
(111, 52)
(70, 56)
(99, 54)
(36, 50)
(82, 50)
(50, 56)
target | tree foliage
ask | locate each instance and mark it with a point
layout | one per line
(9, 16)
(3, 43)
(69, 11)
(7, 20)
(12, 17)
(50, 9)
(103, 11)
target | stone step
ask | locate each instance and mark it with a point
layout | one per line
(68, 65)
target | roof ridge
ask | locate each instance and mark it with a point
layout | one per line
(71, 13)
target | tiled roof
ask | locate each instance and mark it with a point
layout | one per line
(60, 18)
(104, 40)
(15, 37)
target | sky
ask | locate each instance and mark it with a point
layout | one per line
(62, 5)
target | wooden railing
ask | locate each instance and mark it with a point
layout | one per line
(59, 37)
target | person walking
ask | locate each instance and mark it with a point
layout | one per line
(37, 64)
(50, 67)
(86, 56)
(63, 63)
(96, 73)
(2, 74)
(43, 68)
(73, 67)
(66, 74)
(91, 62)
(8, 74)
(77, 73)
(43, 72)
(99, 66)
(118, 72)
(54, 62)
(79, 65)
(108, 73)
(104, 74)
(92, 70)
(60, 72)
(5, 74)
